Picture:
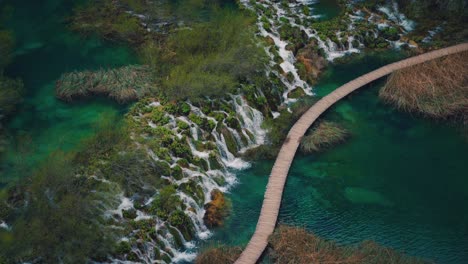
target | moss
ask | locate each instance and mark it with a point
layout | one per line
(214, 163)
(182, 124)
(182, 222)
(166, 202)
(122, 248)
(194, 190)
(129, 214)
(163, 168)
(296, 93)
(183, 163)
(230, 140)
(159, 117)
(202, 163)
(177, 173)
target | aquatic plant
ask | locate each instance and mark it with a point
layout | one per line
(123, 84)
(108, 19)
(438, 89)
(296, 245)
(322, 136)
(218, 254)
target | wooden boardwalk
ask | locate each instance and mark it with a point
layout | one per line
(274, 190)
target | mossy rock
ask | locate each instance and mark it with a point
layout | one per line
(183, 163)
(183, 223)
(178, 241)
(230, 140)
(132, 256)
(166, 258)
(177, 173)
(129, 214)
(296, 93)
(201, 163)
(214, 163)
(221, 181)
(194, 190)
(163, 168)
(122, 248)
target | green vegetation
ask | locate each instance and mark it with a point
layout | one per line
(323, 135)
(124, 84)
(209, 59)
(437, 89)
(54, 216)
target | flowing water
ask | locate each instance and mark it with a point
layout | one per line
(399, 180)
(44, 50)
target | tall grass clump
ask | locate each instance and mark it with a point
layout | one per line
(210, 58)
(437, 89)
(218, 255)
(296, 245)
(123, 84)
(323, 135)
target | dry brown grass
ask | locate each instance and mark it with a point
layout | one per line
(438, 88)
(219, 255)
(296, 245)
(123, 84)
(324, 135)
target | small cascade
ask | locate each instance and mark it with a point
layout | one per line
(398, 18)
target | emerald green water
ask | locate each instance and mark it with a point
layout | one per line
(328, 9)
(45, 49)
(400, 180)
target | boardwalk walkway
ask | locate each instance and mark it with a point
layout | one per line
(274, 191)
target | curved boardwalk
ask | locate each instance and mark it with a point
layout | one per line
(274, 191)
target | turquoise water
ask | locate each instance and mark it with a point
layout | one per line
(328, 9)
(45, 49)
(400, 180)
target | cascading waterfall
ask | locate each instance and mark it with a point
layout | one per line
(168, 242)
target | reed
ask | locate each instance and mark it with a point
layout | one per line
(437, 89)
(324, 135)
(121, 84)
(296, 245)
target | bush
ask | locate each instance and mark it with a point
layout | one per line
(209, 59)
